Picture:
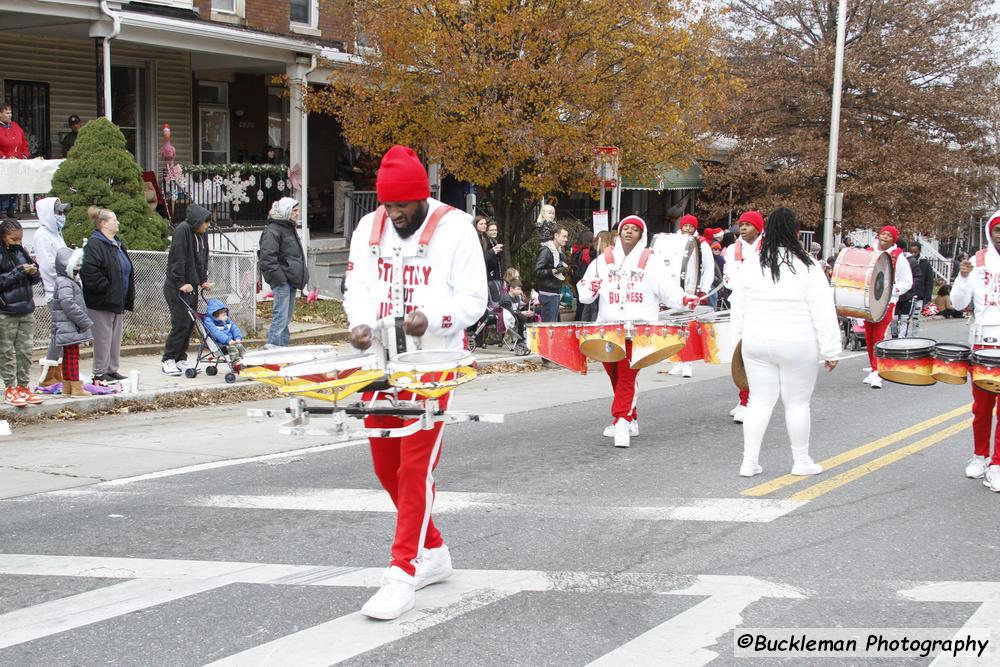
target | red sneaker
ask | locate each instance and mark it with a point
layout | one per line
(28, 397)
(13, 397)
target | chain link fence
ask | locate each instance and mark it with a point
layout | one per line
(234, 276)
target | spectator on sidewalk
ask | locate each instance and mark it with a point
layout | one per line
(109, 290)
(187, 271)
(48, 241)
(945, 308)
(224, 331)
(13, 146)
(283, 265)
(550, 273)
(494, 247)
(18, 272)
(70, 323)
(69, 140)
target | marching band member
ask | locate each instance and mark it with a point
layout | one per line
(783, 311)
(444, 291)
(901, 282)
(628, 287)
(689, 227)
(978, 283)
(747, 245)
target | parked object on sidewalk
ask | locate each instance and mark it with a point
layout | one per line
(210, 353)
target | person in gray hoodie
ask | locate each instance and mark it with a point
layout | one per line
(48, 240)
(283, 265)
(71, 325)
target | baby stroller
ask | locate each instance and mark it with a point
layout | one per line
(510, 337)
(210, 353)
(854, 328)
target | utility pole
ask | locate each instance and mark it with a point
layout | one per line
(831, 167)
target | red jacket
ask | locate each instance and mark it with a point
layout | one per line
(13, 143)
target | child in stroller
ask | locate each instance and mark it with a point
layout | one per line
(221, 341)
(516, 312)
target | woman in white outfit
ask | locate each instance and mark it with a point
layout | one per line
(782, 309)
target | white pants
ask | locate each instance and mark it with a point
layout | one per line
(785, 369)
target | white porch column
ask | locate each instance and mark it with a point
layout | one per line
(298, 150)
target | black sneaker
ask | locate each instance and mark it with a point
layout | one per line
(114, 376)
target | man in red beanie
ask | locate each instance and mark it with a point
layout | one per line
(902, 281)
(441, 292)
(747, 245)
(688, 225)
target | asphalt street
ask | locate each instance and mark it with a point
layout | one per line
(567, 550)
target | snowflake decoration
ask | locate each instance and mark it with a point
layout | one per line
(260, 195)
(268, 182)
(281, 185)
(234, 189)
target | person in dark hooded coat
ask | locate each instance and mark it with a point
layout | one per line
(187, 270)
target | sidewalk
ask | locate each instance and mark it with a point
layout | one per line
(153, 385)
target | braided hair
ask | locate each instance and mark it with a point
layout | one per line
(781, 243)
(8, 226)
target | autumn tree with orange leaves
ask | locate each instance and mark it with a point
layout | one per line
(514, 95)
(918, 108)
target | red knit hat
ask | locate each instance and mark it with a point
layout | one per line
(401, 177)
(892, 230)
(754, 218)
(633, 220)
(688, 220)
(992, 223)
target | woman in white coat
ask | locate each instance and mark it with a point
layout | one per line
(782, 309)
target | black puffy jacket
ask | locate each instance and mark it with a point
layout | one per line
(16, 294)
(280, 255)
(101, 275)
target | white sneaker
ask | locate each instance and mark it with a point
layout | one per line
(992, 481)
(609, 430)
(871, 376)
(633, 429)
(170, 368)
(395, 598)
(677, 369)
(182, 365)
(749, 469)
(976, 467)
(686, 371)
(732, 413)
(876, 383)
(806, 467)
(434, 566)
(621, 433)
(739, 413)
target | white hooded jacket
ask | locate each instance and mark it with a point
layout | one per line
(448, 285)
(627, 292)
(48, 241)
(732, 267)
(981, 288)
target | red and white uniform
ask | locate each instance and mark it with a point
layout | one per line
(448, 285)
(736, 255)
(628, 288)
(981, 288)
(902, 281)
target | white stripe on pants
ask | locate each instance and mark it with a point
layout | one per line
(779, 369)
(107, 340)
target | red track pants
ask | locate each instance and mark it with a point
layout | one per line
(623, 383)
(875, 333)
(983, 403)
(405, 467)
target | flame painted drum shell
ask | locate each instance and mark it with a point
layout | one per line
(906, 360)
(602, 342)
(557, 343)
(656, 342)
(985, 368)
(862, 284)
(951, 363)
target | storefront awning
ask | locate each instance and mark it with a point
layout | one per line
(671, 179)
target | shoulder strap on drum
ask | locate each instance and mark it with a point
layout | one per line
(739, 251)
(644, 257)
(895, 253)
(981, 257)
(378, 227)
(609, 255)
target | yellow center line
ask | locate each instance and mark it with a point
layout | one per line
(816, 490)
(857, 452)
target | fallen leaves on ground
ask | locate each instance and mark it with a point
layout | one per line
(510, 367)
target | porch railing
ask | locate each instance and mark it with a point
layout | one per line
(358, 204)
(238, 195)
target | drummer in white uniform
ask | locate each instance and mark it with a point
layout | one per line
(978, 283)
(901, 283)
(688, 225)
(629, 287)
(443, 291)
(747, 246)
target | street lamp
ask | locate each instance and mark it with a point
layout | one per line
(831, 167)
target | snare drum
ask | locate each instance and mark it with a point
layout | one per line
(951, 363)
(985, 367)
(681, 255)
(656, 342)
(557, 343)
(281, 356)
(906, 360)
(602, 342)
(431, 373)
(862, 284)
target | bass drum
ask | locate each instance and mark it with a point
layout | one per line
(682, 257)
(862, 284)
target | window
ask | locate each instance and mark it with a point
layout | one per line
(130, 110)
(277, 118)
(303, 12)
(227, 6)
(213, 122)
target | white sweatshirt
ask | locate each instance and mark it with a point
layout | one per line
(448, 285)
(731, 268)
(902, 277)
(981, 288)
(627, 292)
(799, 307)
(48, 240)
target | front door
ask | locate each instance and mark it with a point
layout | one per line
(130, 110)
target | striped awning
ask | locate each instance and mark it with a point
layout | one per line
(671, 179)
